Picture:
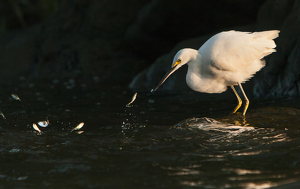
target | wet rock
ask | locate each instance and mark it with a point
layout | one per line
(16, 52)
(80, 38)
(272, 14)
(280, 78)
(161, 24)
(88, 37)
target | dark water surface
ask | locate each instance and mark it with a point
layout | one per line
(165, 140)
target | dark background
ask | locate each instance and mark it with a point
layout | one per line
(113, 42)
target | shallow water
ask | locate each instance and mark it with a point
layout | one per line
(165, 140)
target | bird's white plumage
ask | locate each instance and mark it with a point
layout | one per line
(226, 59)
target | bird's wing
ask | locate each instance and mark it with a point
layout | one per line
(235, 51)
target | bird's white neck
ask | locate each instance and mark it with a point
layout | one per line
(195, 60)
(193, 76)
(191, 55)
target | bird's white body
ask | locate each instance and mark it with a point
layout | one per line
(226, 59)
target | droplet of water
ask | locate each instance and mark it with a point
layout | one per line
(43, 123)
(16, 97)
(79, 126)
(35, 127)
(132, 100)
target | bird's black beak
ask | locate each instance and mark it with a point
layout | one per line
(172, 70)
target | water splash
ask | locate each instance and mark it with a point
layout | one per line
(219, 130)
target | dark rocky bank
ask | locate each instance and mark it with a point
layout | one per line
(133, 42)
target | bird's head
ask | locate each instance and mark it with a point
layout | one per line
(181, 58)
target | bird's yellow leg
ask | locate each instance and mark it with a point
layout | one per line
(239, 100)
(246, 99)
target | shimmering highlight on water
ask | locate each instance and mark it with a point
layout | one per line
(165, 140)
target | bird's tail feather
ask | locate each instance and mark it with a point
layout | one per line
(272, 34)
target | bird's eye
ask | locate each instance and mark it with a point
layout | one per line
(176, 63)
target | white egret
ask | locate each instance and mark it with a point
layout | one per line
(226, 59)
